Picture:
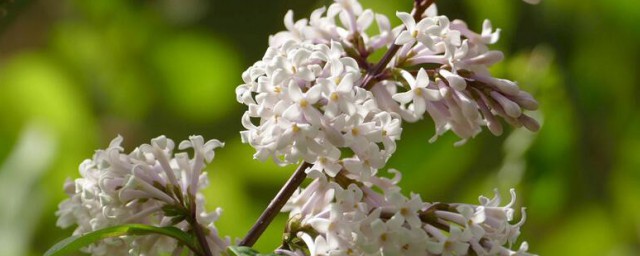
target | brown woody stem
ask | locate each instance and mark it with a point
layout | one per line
(276, 205)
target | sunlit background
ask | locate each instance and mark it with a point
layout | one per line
(74, 74)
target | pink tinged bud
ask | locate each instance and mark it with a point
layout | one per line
(511, 108)
(468, 106)
(526, 101)
(445, 91)
(506, 86)
(530, 123)
(492, 122)
(455, 81)
(489, 58)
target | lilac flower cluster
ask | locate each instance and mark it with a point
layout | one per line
(306, 98)
(145, 186)
(308, 107)
(343, 217)
(313, 98)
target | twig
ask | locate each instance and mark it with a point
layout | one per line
(197, 228)
(276, 205)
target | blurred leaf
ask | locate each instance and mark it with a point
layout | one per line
(430, 168)
(36, 88)
(547, 197)
(246, 251)
(74, 243)
(587, 232)
(243, 187)
(625, 185)
(21, 199)
(199, 74)
(107, 63)
(625, 14)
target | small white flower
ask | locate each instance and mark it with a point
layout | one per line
(418, 94)
(420, 32)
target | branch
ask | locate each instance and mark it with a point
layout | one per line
(197, 228)
(276, 205)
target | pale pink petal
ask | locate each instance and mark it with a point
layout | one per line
(404, 38)
(422, 80)
(404, 97)
(419, 105)
(407, 20)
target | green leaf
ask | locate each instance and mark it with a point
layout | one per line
(74, 243)
(246, 251)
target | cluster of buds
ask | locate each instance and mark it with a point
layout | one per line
(152, 186)
(457, 92)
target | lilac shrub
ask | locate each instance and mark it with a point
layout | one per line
(316, 100)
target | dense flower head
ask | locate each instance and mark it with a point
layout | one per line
(313, 98)
(304, 103)
(311, 80)
(331, 217)
(140, 187)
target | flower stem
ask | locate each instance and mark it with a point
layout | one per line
(276, 205)
(202, 240)
(197, 228)
(419, 7)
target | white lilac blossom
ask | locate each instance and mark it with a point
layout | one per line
(304, 103)
(344, 217)
(140, 187)
(440, 71)
(313, 98)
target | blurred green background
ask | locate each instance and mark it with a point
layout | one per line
(74, 74)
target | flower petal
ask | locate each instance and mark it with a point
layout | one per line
(404, 97)
(407, 20)
(404, 38)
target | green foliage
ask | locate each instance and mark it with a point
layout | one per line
(246, 251)
(75, 243)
